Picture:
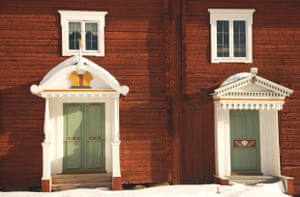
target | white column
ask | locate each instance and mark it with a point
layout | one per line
(55, 125)
(46, 145)
(116, 172)
(222, 141)
(269, 142)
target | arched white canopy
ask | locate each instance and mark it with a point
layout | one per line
(58, 77)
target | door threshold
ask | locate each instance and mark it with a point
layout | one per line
(252, 179)
(84, 172)
(246, 174)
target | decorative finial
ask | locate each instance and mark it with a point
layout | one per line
(80, 46)
(80, 64)
(253, 72)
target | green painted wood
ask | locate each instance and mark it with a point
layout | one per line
(94, 135)
(72, 136)
(84, 136)
(245, 149)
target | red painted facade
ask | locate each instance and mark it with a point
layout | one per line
(161, 50)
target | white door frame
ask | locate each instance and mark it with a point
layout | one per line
(57, 136)
(53, 130)
(269, 141)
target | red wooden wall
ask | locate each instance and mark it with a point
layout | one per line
(276, 50)
(30, 38)
(161, 50)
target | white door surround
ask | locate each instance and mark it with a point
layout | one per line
(78, 80)
(247, 91)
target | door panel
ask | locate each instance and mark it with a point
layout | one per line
(94, 135)
(72, 137)
(245, 150)
(84, 137)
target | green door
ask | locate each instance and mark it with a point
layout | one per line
(84, 137)
(245, 150)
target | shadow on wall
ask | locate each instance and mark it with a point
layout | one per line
(145, 117)
(198, 140)
(21, 134)
(158, 100)
(145, 154)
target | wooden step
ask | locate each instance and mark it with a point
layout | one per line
(68, 186)
(81, 178)
(72, 181)
(252, 180)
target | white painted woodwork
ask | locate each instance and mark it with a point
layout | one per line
(244, 91)
(67, 16)
(231, 15)
(55, 89)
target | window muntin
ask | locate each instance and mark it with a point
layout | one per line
(239, 38)
(89, 29)
(231, 35)
(88, 26)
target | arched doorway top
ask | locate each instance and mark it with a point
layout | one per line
(78, 74)
(250, 91)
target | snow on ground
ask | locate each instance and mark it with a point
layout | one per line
(209, 190)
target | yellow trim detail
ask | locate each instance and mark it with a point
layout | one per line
(79, 90)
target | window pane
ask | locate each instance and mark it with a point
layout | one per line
(74, 35)
(239, 32)
(91, 36)
(223, 38)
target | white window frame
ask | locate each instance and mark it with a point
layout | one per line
(231, 15)
(82, 17)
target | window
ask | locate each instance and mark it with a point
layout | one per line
(231, 35)
(87, 26)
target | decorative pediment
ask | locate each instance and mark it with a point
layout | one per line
(78, 76)
(250, 91)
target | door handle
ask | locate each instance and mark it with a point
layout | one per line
(94, 138)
